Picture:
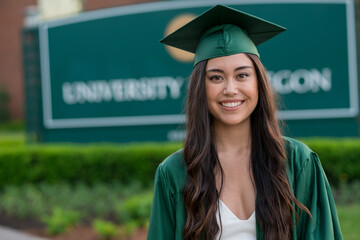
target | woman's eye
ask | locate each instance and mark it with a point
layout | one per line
(243, 75)
(215, 78)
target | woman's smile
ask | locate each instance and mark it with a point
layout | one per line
(231, 105)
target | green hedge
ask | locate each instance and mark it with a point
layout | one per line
(126, 163)
(340, 158)
(85, 163)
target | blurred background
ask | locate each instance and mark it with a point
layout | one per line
(91, 103)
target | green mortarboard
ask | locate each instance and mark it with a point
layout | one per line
(222, 31)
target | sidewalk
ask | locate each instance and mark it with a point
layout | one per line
(11, 234)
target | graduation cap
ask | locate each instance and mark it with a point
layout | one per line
(222, 31)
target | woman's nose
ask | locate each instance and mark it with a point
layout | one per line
(230, 88)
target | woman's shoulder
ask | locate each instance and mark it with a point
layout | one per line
(173, 171)
(299, 156)
(174, 162)
(293, 146)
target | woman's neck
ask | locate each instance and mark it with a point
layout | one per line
(236, 138)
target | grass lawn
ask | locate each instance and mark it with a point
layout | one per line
(349, 216)
(12, 138)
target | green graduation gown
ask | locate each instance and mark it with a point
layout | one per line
(307, 181)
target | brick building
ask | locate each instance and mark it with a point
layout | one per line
(12, 18)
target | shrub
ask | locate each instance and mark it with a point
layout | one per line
(84, 163)
(340, 158)
(347, 193)
(23, 202)
(60, 220)
(105, 229)
(135, 209)
(128, 228)
(37, 201)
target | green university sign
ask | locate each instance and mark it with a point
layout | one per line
(107, 68)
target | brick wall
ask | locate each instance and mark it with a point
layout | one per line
(11, 76)
(98, 4)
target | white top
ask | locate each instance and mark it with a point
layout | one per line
(234, 228)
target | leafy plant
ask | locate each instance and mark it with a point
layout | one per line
(128, 228)
(105, 229)
(347, 193)
(23, 202)
(92, 201)
(136, 209)
(60, 221)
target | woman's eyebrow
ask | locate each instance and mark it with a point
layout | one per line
(222, 71)
(215, 70)
(241, 68)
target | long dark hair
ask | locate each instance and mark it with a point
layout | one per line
(274, 200)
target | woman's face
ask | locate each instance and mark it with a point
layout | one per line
(231, 89)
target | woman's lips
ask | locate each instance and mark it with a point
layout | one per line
(231, 105)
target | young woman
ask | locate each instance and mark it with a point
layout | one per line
(237, 177)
